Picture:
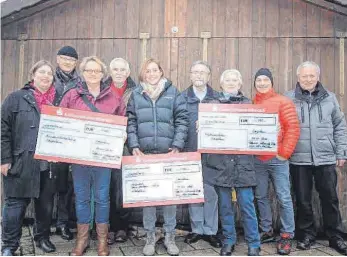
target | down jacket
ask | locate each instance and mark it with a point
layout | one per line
(323, 136)
(290, 131)
(229, 170)
(154, 127)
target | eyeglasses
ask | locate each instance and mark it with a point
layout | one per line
(66, 59)
(90, 72)
(195, 73)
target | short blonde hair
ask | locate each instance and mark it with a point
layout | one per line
(233, 72)
(38, 65)
(94, 59)
(144, 68)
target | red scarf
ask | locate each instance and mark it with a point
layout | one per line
(119, 91)
(46, 98)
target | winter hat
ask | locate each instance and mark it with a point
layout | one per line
(266, 72)
(68, 51)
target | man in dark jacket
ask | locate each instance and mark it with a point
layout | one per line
(203, 217)
(65, 78)
(322, 146)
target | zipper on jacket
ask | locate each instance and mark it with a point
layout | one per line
(320, 112)
(309, 125)
(155, 123)
(302, 112)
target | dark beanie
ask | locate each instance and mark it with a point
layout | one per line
(266, 72)
(68, 51)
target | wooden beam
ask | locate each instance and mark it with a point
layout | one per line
(144, 37)
(205, 36)
(337, 8)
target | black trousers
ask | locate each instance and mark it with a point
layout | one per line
(325, 179)
(14, 213)
(119, 216)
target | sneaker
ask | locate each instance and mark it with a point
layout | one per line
(267, 237)
(284, 245)
(149, 248)
(170, 244)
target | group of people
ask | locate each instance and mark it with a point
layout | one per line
(312, 141)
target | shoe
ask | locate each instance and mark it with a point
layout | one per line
(213, 240)
(253, 251)
(7, 252)
(111, 238)
(305, 244)
(227, 250)
(339, 245)
(170, 244)
(64, 232)
(284, 245)
(267, 237)
(121, 236)
(192, 238)
(45, 245)
(82, 241)
(102, 232)
(149, 248)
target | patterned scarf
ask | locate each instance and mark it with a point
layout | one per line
(46, 98)
(154, 91)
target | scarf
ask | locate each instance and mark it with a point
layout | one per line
(154, 91)
(46, 98)
(63, 76)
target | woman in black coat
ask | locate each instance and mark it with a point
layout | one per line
(225, 172)
(23, 176)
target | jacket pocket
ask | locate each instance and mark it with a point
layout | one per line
(333, 145)
(215, 161)
(17, 165)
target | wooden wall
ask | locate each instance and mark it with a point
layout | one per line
(245, 34)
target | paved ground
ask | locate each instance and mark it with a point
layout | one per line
(135, 244)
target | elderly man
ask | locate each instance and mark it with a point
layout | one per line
(65, 78)
(203, 217)
(322, 146)
(122, 85)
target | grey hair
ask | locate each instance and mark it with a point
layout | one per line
(121, 60)
(231, 71)
(308, 64)
(201, 63)
(94, 59)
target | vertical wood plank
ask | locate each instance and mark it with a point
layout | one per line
(133, 19)
(286, 71)
(258, 18)
(59, 17)
(107, 50)
(286, 18)
(245, 18)
(299, 53)
(327, 63)
(205, 15)
(313, 50)
(132, 57)
(165, 57)
(145, 16)
(118, 49)
(193, 53)
(107, 19)
(258, 57)
(217, 61)
(273, 60)
(47, 24)
(245, 62)
(192, 25)
(299, 18)
(9, 31)
(232, 18)
(158, 20)
(34, 26)
(272, 18)
(337, 70)
(94, 47)
(46, 50)
(34, 51)
(10, 68)
(174, 60)
(82, 48)
(327, 23)
(218, 18)
(56, 45)
(313, 20)
(182, 60)
(181, 18)
(120, 15)
(71, 19)
(231, 53)
(96, 20)
(345, 87)
(83, 14)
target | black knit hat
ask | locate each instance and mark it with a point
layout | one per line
(68, 51)
(266, 72)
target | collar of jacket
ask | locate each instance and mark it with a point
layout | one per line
(319, 93)
(29, 95)
(82, 89)
(238, 98)
(130, 82)
(168, 84)
(191, 97)
(259, 97)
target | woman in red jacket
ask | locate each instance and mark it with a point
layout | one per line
(276, 168)
(92, 95)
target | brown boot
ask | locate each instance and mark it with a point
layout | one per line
(102, 231)
(82, 241)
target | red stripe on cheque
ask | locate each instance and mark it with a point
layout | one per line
(157, 158)
(160, 203)
(84, 115)
(239, 108)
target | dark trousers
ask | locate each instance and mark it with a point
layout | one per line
(14, 212)
(325, 179)
(119, 216)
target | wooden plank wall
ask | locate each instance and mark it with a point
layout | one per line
(246, 35)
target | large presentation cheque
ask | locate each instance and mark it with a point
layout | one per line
(162, 179)
(81, 137)
(238, 129)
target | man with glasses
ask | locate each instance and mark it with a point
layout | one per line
(65, 78)
(203, 217)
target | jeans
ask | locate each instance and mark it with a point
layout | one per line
(278, 172)
(150, 217)
(245, 200)
(204, 216)
(84, 179)
(14, 212)
(325, 182)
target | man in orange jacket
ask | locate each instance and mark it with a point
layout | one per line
(276, 168)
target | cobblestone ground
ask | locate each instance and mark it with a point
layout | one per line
(137, 240)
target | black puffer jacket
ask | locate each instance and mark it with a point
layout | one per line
(228, 170)
(154, 127)
(63, 83)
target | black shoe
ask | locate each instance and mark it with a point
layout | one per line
(267, 237)
(254, 251)
(121, 236)
(305, 244)
(213, 240)
(7, 252)
(64, 232)
(192, 238)
(227, 250)
(339, 245)
(45, 245)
